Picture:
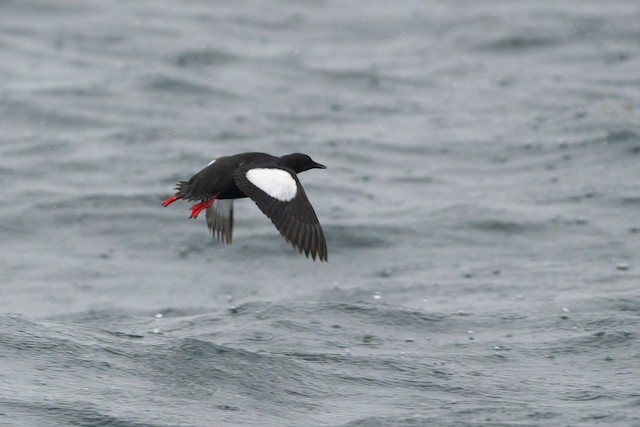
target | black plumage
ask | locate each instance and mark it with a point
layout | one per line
(271, 182)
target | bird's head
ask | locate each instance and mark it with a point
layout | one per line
(300, 162)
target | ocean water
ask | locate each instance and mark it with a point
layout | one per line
(481, 207)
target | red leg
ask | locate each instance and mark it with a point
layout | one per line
(196, 209)
(170, 200)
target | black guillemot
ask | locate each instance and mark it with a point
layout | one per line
(271, 182)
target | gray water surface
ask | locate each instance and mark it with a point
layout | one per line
(481, 208)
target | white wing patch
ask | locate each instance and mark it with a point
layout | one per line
(277, 183)
(212, 162)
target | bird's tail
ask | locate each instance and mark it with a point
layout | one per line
(181, 191)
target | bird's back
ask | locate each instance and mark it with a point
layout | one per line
(217, 177)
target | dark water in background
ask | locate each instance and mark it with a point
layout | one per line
(482, 211)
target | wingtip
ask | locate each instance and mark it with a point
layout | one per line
(320, 257)
(312, 245)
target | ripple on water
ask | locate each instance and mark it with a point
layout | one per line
(181, 86)
(203, 58)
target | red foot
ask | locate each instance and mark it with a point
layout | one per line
(170, 200)
(196, 209)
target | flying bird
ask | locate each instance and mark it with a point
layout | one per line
(271, 182)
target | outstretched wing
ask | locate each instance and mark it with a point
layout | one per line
(220, 220)
(280, 196)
